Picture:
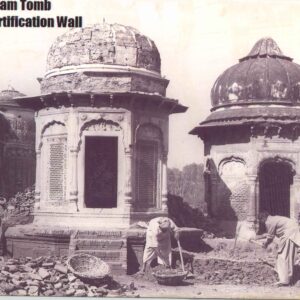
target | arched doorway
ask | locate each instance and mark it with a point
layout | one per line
(275, 180)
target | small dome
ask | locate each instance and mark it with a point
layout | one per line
(265, 74)
(110, 44)
(7, 96)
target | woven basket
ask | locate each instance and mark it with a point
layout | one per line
(88, 266)
(170, 277)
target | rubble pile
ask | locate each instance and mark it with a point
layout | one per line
(217, 271)
(22, 201)
(49, 276)
(17, 209)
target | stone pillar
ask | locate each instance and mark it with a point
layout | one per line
(164, 181)
(73, 137)
(253, 199)
(38, 179)
(74, 182)
(128, 199)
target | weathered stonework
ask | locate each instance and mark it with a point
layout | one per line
(251, 139)
(105, 43)
(101, 143)
(95, 83)
(104, 58)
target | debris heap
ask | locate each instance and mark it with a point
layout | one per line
(49, 276)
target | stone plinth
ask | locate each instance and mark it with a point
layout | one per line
(121, 249)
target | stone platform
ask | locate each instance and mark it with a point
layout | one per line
(122, 249)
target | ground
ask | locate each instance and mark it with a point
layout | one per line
(194, 289)
(222, 271)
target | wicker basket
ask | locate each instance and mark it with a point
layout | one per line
(88, 266)
(170, 277)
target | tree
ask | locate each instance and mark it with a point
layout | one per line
(188, 183)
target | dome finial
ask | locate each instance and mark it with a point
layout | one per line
(10, 87)
(103, 20)
(265, 47)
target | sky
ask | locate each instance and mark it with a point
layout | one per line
(197, 41)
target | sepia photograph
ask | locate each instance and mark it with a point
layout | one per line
(150, 148)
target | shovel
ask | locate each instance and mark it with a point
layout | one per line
(260, 259)
(181, 257)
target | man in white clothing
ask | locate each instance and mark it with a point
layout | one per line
(287, 232)
(158, 241)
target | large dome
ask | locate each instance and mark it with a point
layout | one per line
(103, 58)
(264, 75)
(111, 44)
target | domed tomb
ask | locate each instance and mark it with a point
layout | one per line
(102, 128)
(102, 124)
(251, 138)
(104, 58)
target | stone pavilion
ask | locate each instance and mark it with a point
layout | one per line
(102, 124)
(251, 138)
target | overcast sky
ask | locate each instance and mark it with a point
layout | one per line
(197, 40)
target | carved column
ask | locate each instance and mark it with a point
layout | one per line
(73, 142)
(38, 179)
(128, 199)
(253, 198)
(164, 188)
(74, 181)
(38, 146)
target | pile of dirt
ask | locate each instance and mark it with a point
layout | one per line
(230, 249)
(218, 271)
(49, 276)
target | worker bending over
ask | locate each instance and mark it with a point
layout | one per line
(287, 232)
(158, 241)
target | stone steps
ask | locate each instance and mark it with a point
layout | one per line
(109, 246)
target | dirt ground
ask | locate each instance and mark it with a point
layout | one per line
(194, 289)
(245, 273)
(221, 272)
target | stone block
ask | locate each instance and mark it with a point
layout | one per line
(71, 278)
(58, 285)
(43, 273)
(34, 276)
(61, 268)
(70, 292)
(7, 287)
(80, 293)
(33, 291)
(20, 292)
(49, 293)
